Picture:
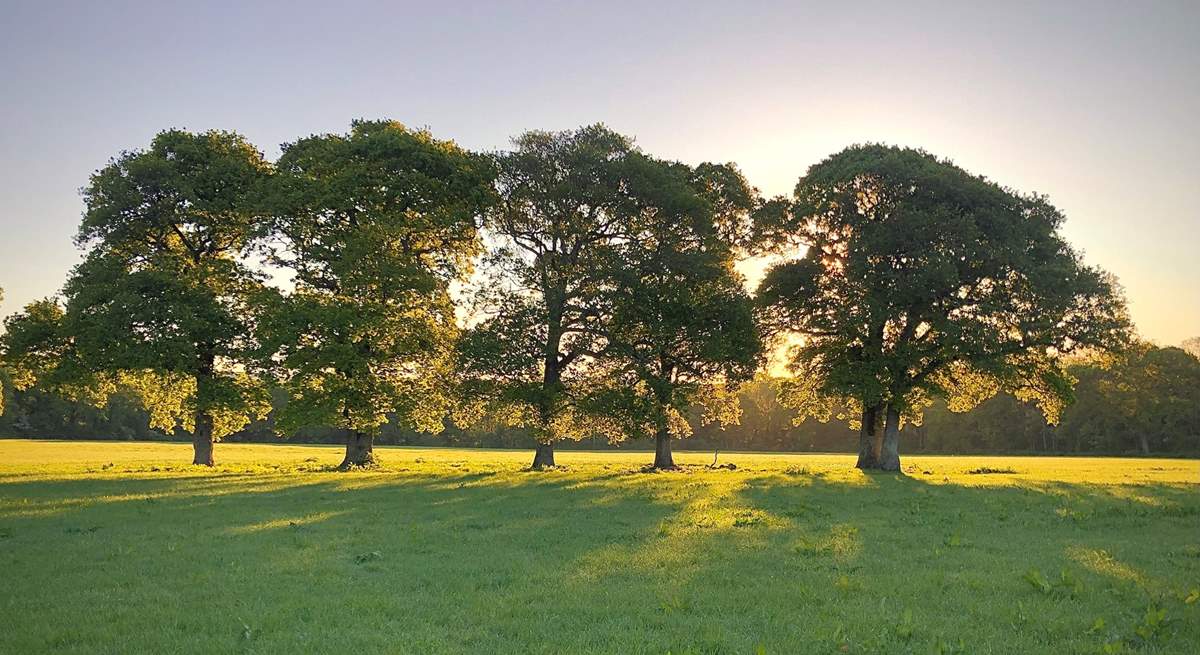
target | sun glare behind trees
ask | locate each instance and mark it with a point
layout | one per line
(921, 280)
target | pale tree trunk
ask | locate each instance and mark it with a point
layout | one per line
(889, 458)
(662, 451)
(359, 452)
(868, 438)
(543, 456)
(202, 439)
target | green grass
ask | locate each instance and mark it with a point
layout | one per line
(118, 548)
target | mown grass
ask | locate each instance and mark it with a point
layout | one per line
(118, 548)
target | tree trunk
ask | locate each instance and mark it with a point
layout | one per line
(1145, 442)
(868, 449)
(889, 459)
(662, 451)
(202, 439)
(543, 457)
(202, 432)
(359, 453)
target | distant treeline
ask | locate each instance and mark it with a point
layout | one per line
(1148, 402)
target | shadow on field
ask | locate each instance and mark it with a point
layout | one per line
(588, 561)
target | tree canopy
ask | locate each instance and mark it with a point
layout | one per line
(159, 300)
(564, 201)
(33, 347)
(921, 279)
(374, 226)
(1147, 396)
(681, 334)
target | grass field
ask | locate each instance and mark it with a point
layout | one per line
(119, 548)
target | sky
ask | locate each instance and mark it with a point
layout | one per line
(1095, 104)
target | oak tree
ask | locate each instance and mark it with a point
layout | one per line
(921, 279)
(374, 227)
(161, 294)
(541, 303)
(681, 335)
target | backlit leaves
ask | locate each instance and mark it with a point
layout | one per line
(374, 225)
(920, 279)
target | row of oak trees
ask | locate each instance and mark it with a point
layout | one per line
(573, 285)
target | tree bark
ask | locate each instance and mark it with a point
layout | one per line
(868, 441)
(662, 451)
(543, 456)
(889, 458)
(359, 452)
(202, 433)
(202, 439)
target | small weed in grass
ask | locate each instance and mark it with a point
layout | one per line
(1067, 584)
(363, 558)
(748, 518)
(1154, 625)
(673, 604)
(942, 647)
(247, 631)
(905, 629)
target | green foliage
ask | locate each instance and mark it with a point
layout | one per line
(1000, 424)
(610, 304)
(1146, 399)
(39, 351)
(1153, 625)
(541, 306)
(159, 304)
(681, 333)
(922, 280)
(1038, 581)
(607, 306)
(33, 345)
(44, 388)
(374, 225)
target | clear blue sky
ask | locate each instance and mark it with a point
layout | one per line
(1093, 103)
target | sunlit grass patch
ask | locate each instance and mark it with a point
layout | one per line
(283, 522)
(1101, 561)
(841, 542)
